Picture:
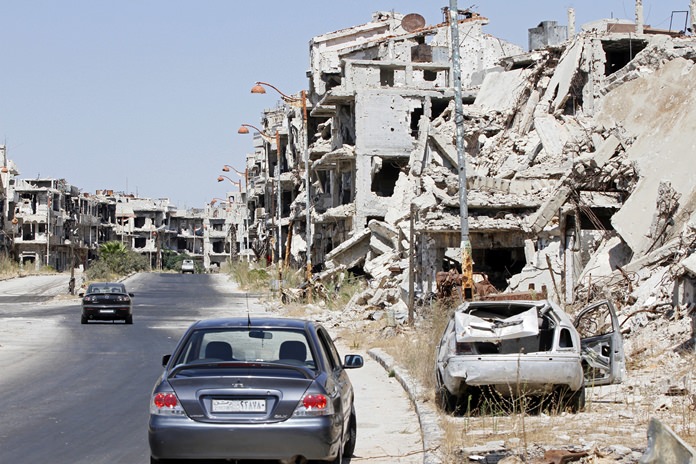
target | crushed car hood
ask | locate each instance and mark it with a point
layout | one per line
(470, 328)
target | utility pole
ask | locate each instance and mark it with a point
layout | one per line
(465, 244)
(280, 216)
(411, 264)
(309, 198)
(48, 226)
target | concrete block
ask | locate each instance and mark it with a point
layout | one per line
(665, 446)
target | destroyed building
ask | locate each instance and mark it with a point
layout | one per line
(575, 181)
(48, 222)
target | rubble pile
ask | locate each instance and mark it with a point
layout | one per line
(574, 162)
(579, 185)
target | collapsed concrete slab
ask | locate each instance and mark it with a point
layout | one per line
(660, 150)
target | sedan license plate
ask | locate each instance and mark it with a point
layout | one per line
(106, 311)
(239, 405)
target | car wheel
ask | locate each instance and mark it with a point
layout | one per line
(83, 319)
(445, 400)
(129, 319)
(349, 447)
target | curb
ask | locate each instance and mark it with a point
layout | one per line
(428, 417)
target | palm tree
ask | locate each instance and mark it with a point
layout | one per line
(110, 250)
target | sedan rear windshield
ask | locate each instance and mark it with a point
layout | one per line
(252, 345)
(106, 288)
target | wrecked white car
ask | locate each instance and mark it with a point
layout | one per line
(530, 349)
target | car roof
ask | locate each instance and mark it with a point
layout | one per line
(256, 322)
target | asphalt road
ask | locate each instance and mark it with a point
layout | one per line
(74, 394)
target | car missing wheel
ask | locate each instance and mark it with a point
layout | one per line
(531, 349)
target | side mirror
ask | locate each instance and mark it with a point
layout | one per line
(131, 294)
(353, 361)
(165, 359)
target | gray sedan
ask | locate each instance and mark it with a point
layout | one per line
(254, 388)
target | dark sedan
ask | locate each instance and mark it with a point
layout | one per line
(254, 388)
(107, 301)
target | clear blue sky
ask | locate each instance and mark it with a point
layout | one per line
(146, 96)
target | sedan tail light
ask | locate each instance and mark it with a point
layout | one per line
(314, 405)
(166, 404)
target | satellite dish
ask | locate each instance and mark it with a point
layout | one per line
(412, 22)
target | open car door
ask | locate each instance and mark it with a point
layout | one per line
(602, 354)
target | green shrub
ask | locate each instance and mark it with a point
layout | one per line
(249, 276)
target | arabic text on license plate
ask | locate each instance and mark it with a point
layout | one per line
(106, 311)
(239, 405)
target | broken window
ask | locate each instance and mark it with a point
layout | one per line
(218, 247)
(139, 222)
(619, 53)
(346, 191)
(139, 242)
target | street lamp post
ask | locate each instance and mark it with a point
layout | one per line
(259, 88)
(222, 177)
(245, 174)
(465, 244)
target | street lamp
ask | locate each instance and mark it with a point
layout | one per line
(243, 130)
(276, 174)
(227, 167)
(259, 88)
(235, 182)
(215, 200)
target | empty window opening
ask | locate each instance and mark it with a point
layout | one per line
(438, 106)
(386, 77)
(565, 340)
(596, 218)
(28, 232)
(287, 200)
(218, 247)
(346, 191)
(574, 102)
(346, 124)
(422, 53)
(384, 181)
(139, 242)
(415, 118)
(139, 222)
(429, 76)
(499, 264)
(619, 53)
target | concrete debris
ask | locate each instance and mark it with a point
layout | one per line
(666, 447)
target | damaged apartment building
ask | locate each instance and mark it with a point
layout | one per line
(575, 180)
(48, 222)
